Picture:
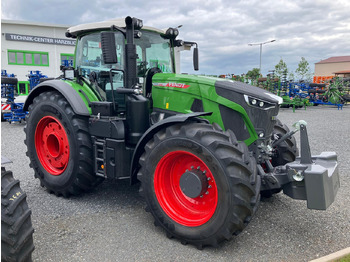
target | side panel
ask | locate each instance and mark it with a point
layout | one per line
(182, 93)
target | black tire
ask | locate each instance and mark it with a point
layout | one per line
(284, 153)
(9, 80)
(346, 97)
(227, 164)
(63, 160)
(317, 85)
(16, 225)
(287, 151)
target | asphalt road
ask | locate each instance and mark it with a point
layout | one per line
(110, 223)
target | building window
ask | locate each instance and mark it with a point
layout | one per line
(18, 57)
(67, 57)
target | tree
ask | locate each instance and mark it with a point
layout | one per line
(254, 73)
(291, 76)
(281, 69)
(303, 71)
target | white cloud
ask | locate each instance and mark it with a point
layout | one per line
(222, 28)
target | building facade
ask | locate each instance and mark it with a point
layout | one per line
(332, 65)
(28, 46)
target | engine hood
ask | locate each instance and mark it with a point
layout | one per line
(245, 89)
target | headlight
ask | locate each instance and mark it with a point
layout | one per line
(258, 103)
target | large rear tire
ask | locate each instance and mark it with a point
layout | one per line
(199, 183)
(16, 225)
(59, 146)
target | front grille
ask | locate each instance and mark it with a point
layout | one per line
(233, 120)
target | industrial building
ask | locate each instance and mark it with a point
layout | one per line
(28, 46)
(330, 67)
(32, 46)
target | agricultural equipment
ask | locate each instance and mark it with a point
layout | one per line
(16, 225)
(12, 104)
(35, 78)
(5, 77)
(333, 94)
(12, 109)
(203, 148)
(295, 95)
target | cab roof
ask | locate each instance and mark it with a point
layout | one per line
(120, 22)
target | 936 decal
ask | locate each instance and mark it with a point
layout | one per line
(171, 84)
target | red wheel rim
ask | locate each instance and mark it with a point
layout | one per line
(179, 207)
(52, 145)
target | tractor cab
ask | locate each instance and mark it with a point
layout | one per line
(108, 66)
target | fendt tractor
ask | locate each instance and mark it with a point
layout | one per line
(204, 149)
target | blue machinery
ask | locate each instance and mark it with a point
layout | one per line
(308, 91)
(9, 89)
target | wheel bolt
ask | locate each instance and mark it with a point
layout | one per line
(201, 196)
(208, 178)
(207, 192)
(209, 186)
(198, 167)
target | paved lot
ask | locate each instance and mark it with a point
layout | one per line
(110, 223)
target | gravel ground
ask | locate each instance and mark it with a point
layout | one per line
(110, 223)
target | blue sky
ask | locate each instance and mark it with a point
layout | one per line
(315, 29)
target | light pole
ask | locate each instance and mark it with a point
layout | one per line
(261, 44)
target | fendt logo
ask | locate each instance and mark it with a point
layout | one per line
(177, 85)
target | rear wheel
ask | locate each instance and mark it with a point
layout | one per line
(59, 146)
(16, 225)
(198, 183)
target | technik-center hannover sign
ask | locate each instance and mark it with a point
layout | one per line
(39, 39)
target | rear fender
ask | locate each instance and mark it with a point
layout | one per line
(79, 105)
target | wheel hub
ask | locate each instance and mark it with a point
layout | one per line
(185, 188)
(52, 145)
(193, 183)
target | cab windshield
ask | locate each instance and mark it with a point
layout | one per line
(89, 54)
(153, 51)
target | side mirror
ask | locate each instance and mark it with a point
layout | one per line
(195, 59)
(108, 46)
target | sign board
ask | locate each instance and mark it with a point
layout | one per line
(39, 39)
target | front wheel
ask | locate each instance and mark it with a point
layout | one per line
(59, 146)
(286, 151)
(199, 183)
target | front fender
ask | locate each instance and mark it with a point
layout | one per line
(181, 118)
(75, 100)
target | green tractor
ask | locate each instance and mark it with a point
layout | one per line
(204, 149)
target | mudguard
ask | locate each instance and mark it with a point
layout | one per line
(181, 118)
(66, 90)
